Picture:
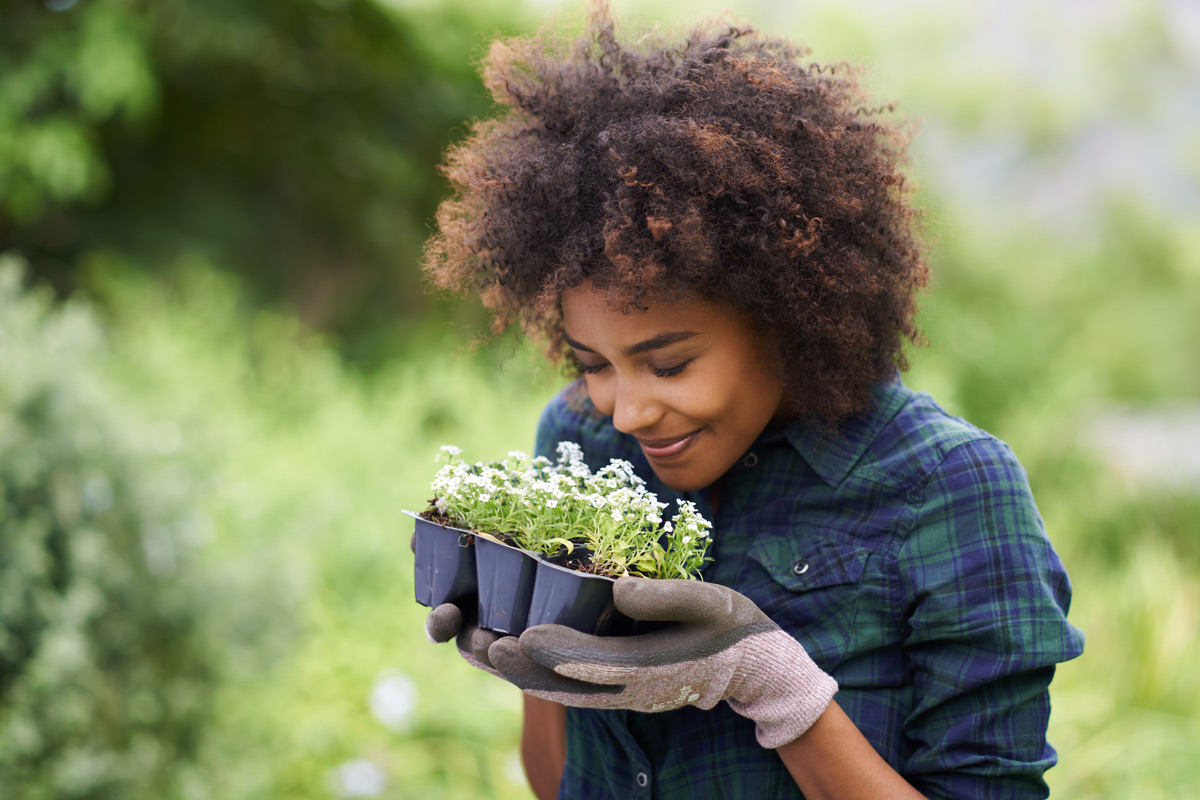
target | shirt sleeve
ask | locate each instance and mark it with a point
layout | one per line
(986, 598)
(557, 423)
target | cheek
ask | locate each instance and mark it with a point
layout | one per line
(735, 398)
(707, 396)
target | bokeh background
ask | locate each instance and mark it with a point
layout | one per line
(221, 378)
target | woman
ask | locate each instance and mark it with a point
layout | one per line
(721, 242)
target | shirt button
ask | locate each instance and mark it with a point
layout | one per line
(800, 567)
(643, 780)
(750, 460)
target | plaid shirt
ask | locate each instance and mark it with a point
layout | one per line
(907, 556)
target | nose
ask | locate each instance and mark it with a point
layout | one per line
(634, 406)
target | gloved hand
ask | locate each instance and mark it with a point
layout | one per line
(720, 647)
(446, 622)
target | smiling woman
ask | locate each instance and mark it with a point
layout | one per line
(721, 241)
(689, 380)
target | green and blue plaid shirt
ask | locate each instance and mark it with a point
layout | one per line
(906, 554)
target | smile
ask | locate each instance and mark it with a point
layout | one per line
(667, 448)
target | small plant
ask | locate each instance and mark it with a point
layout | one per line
(559, 508)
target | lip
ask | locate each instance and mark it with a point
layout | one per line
(667, 448)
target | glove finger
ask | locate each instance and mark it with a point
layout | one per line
(574, 654)
(672, 600)
(412, 541)
(443, 623)
(475, 641)
(518, 668)
(472, 643)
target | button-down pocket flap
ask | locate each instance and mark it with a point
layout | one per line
(810, 586)
(801, 563)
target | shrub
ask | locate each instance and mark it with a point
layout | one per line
(105, 665)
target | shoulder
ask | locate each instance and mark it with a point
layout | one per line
(919, 443)
(954, 476)
(968, 504)
(974, 538)
(974, 563)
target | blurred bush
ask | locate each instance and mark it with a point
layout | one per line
(107, 663)
(205, 585)
(294, 142)
(309, 463)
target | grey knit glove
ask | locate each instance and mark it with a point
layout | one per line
(720, 646)
(447, 622)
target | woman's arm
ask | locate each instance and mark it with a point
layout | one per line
(833, 761)
(544, 745)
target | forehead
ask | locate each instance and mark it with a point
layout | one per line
(604, 318)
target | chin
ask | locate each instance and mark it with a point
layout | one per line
(683, 482)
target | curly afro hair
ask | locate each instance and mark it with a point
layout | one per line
(720, 168)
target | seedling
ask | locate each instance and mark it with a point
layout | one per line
(606, 522)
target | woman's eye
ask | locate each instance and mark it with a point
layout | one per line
(591, 369)
(670, 372)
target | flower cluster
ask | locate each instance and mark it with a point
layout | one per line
(558, 508)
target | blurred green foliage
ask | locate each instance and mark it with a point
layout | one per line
(311, 465)
(202, 544)
(294, 142)
(108, 655)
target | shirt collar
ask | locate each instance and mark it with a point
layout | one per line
(832, 455)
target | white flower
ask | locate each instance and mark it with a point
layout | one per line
(518, 455)
(686, 539)
(451, 449)
(569, 453)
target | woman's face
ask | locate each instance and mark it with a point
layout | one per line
(686, 379)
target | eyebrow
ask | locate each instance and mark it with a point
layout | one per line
(653, 343)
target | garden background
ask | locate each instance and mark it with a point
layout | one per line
(221, 379)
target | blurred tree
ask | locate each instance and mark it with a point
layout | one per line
(294, 142)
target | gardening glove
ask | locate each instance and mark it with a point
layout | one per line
(720, 646)
(446, 622)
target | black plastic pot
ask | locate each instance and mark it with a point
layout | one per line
(578, 600)
(505, 576)
(445, 563)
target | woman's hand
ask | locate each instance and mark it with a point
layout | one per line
(447, 622)
(719, 646)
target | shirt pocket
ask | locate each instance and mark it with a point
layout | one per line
(810, 586)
